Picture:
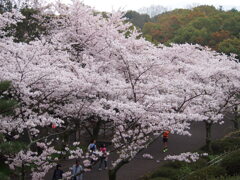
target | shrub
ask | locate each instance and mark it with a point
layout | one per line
(4, 171)
(165, 172)
(202, 162)
(207, 173)
(175, 164)
(3, 176)
(227, 178)
(234, 134)
(176, 170)
(11, 147)
(160, 178)
(184, 171)
(226, 144)
(231, 163)
(229, 143)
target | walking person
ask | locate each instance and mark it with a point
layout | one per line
(77, 171)
(103, 157)
(165, 140)
(92, 148)
(57, 174)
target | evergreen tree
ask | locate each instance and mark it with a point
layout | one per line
(5, 5)
(7, 145)
(6, 103)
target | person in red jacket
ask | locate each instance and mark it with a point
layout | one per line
(165, 135)
(103, 157)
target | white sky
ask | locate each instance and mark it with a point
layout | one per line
(109, 5)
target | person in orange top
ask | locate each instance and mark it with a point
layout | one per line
(165, 135)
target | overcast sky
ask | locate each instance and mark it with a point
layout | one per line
(109, 5)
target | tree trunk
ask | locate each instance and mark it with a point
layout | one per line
(112, 173)
(22, 172)
(236, 124)
(104, 130)
(77, 133)
(64, 142)
(236, 119)
(96, 129)
(208, 136)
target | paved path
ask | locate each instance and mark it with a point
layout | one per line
(177, 144)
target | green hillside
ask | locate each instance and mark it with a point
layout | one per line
(205, 25)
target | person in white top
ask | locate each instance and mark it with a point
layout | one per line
(77, 171)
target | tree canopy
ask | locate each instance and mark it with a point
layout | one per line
(204, 25)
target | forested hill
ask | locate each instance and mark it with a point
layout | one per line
(203, 25)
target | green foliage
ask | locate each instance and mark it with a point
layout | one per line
(4, 85)
(29, 28)
(137, 19)
(159, 178)
(229, 143)
(226, 178)
(5, 6)
(6, 147)
(175, 164)
(3, 176)
(206, 10)
(232, 163)
(230, 46)
(177, 169)
(207, 173)
(6, 104)
(183, 171)
(11, 147)
(166, 172)
(5, 172)
(204, 25)
(213, 158)
(226, 144)
(231, 23)
(202, 162)
(234, 134)
(192, 35)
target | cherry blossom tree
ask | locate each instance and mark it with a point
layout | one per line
(148, 95)
(36, 72)
(216, 78)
